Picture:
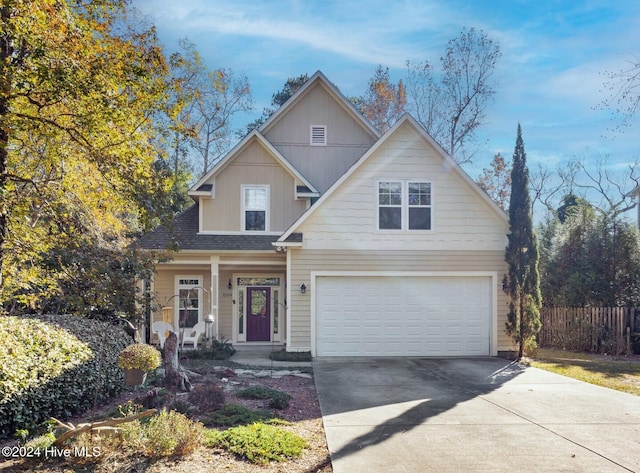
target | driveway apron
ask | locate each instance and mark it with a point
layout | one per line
(471, 415)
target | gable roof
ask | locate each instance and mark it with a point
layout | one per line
(202, 188)
(344, 102)
(448, 161)
(183, 235)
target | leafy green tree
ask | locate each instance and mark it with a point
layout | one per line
(591, 258)
(80, 85)
(522, 256)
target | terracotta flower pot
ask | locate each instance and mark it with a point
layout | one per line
(134, 377)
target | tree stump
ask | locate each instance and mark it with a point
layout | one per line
(175, 377)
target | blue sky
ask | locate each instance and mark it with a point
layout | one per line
(550, 76)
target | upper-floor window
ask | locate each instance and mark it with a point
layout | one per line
(255, 208)
(318, 135)
(404, 205)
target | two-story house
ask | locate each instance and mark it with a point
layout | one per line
(319, 234)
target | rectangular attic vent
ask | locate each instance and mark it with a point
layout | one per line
(318, 135)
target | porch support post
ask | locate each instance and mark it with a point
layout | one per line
(287, 339)
(213, 290)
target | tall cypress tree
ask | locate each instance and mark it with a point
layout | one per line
(522, 256)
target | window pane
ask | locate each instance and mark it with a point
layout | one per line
(255, 199)
(390, 193)
(390, 218)
(258, 281)
(258, 303)
(190, 320)
(241, 311)
(419, 193)
(276, 295)
(420, 218)
(254, 220)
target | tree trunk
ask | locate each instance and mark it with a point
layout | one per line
(100, 426)
(6, 51)
(175, 377)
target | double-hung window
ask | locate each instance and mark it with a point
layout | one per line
(390, 205)
(255, 205)
(419, 205)
(404, 205)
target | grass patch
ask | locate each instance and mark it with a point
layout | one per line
(621, 375)
(259, 443)
(234, 414)
(277, 399)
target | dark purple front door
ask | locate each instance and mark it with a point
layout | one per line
(258, 314)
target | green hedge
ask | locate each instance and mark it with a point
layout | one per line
(55, 366)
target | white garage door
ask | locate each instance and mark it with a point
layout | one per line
(403, 316)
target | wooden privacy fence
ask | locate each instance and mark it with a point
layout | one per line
(599, 329)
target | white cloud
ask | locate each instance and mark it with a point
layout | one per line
(368, 32)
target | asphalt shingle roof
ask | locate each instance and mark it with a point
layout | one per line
(182, 234)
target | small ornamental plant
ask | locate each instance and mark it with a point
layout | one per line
(139, 356)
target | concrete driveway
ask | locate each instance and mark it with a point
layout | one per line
(471, 415)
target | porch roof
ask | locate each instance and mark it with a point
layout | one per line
(182, 234)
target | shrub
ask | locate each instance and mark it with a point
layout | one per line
(167, 433)
(219, 350)
(55, 366)
(259, 443)
(39, 444)
(207, 396)
(139, 356)
(234, 414)
(222, 349)
(277, 399)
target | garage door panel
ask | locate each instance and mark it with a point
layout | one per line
(403, 316)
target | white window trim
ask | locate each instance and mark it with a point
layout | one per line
(404, 227)
(283, 312)
(267, 220)
(324, 135)
(176, 305)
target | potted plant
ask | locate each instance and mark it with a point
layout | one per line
(136, 360)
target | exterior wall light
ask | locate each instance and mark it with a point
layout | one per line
(303, 288)
(229, 285)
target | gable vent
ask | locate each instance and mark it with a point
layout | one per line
(318, 135)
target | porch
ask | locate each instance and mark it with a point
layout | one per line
(242, 300)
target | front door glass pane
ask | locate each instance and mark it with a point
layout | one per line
(241, 311)
(276, 295)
